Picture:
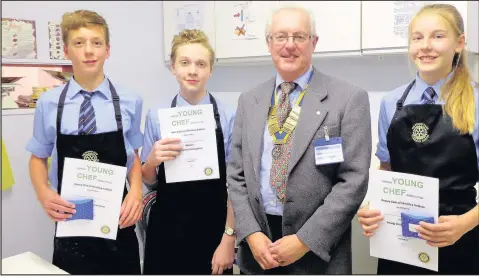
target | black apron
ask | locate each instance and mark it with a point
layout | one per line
(90, 255)
(447, 155)
(188, 219)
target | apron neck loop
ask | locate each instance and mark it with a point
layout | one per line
(174, 103)
(116, 106)
(400, 102)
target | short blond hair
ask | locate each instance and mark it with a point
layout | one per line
(83, 19)
(191, 37)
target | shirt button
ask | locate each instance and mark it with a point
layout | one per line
(271, 202)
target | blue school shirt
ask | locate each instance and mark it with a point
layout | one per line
(415, 96)
(43, 142)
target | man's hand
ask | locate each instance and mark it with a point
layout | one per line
(224, 255)
(54, 205)
(446, 232)
(131, 208)
(288, 250)
(259, 245)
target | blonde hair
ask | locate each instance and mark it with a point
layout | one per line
(457, 92)
(191, 37)
(83, 19)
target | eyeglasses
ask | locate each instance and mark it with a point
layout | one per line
(283, 38)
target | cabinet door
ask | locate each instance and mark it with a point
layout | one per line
(240, 28)
(338, 24)
(179, 15)
(472, 26)
(385, 23)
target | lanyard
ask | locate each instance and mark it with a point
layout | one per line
(299, 101)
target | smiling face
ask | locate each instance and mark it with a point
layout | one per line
(87, 49)
(291, 58)
(192, 67)
(433, 44)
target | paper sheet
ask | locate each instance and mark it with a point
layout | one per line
(404, 11)
(245, 20)
(97, 190)
(404, 200)
(19, 39)
(195, 126)
(56, 42)
(190, 16)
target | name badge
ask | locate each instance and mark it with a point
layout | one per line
(328, 150)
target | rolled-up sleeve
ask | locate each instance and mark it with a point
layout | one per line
(150, 136)
(134, 135)
(41, 144)
(383, 125)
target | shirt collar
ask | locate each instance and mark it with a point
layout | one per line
(180, 101)
(301, 81)
(103, 89)
(421, 85)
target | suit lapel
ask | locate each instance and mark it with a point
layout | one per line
(257, 122)
(309, 120)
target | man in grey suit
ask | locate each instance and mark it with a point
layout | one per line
(300, 156)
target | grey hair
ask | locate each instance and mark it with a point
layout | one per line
(291, 6)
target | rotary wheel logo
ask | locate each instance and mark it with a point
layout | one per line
(90, 156)
(208, 171)
(105, 229)
(423, 257)
(419, 132)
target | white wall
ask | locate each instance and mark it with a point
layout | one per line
(136, 61)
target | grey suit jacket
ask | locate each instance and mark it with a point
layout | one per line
(320, 200)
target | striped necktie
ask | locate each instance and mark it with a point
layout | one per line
(86, 121)
(429, 95)
(279, 164)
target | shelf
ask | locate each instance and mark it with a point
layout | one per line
(7, 61)
(18, 111)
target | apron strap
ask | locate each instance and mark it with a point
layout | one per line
(400, 102)
(173, 102)
(116, 106)
(61, 104)
(215, 112)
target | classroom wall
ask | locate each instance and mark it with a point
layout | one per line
(136, 61)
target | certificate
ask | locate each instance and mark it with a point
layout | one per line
(96, 189)
(195, 126)
(404, 200)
